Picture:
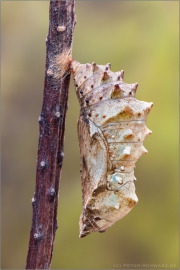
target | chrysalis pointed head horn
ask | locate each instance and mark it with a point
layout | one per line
(135, 86)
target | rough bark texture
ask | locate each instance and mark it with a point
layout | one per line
(51, 138)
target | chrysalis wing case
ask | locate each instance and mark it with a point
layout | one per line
(111, 131)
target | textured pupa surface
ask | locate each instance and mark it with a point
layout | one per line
(111, 131)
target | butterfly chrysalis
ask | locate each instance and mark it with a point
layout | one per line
(111, 131)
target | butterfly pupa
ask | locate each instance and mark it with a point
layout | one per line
(111, 131)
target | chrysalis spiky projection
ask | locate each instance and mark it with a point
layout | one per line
(111, 131)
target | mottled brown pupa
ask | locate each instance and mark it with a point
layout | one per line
(111, 131)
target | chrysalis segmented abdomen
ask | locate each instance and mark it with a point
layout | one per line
(111, 131)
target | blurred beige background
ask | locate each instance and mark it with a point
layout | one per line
(140, 37)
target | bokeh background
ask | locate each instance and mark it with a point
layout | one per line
(140, 37)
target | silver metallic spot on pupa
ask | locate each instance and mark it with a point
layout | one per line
(111, 131)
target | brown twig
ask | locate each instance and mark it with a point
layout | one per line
(51, 139)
